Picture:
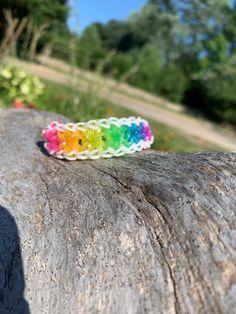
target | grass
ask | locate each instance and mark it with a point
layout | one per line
(99, 76)
(115, 87)
(83, 106)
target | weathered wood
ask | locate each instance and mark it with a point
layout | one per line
(147, 233)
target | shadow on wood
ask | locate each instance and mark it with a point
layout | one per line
(12, 281)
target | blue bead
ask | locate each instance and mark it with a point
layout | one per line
(135, 133)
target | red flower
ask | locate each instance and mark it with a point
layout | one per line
(19, 104)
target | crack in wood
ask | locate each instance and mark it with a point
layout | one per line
(176, 302)
(46, 194)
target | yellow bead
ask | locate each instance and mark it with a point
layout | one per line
(94, 139)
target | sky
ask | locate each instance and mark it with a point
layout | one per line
(89, 11)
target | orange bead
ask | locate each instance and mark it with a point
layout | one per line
(72, 141)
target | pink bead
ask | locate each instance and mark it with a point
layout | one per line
(51, 138)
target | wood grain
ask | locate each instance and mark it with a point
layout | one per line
(146, 233)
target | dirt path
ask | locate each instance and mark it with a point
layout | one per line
(148, 106)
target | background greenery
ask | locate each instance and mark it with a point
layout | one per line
(83, 106)
(184, 50)
(53, 13)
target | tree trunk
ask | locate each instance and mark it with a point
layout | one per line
(12, 33)
(146, 233)
(36, 34)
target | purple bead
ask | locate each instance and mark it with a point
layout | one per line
(146, 131)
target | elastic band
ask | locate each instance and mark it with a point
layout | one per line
(95, 139)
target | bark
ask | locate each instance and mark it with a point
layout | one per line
(37, 32)
(12, 32)
(147, 233)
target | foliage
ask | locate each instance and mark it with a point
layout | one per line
(51, 13)
(182, 50)
(118, 64)
(149, 66)
(216, 96)
(79, 106)
(42, 11)
(15, 83)
(172, 83)
(90, 50)
(168, 81)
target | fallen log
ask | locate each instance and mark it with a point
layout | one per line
(146, 233)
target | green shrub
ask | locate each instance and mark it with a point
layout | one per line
(214, 92)
(149, 67)
(120, 64)
(171, 83)
(68, 101)
(168, 81)
(16, 83)
(221, 90)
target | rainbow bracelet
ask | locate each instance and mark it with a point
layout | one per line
(95, 139)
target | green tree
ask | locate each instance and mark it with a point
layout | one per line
(220, 85)
(199, 32)
(41, 11)
(149, 67)
(90, 48)
(118, 36)
(120, 64)
(172, 83)
(54, 13)
(152, 25)
(229, 27)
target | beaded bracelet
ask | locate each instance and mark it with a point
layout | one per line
(95, 139)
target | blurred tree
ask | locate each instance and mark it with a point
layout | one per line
(182, 49)
(42, 12)
(178, 47)
(154, 25)
(199, 21)
(207, 44)
(164, 5)
(229, 27)
(120, 64)
(90, 48)
(149, 67)
(215, 91)
(172, 83)
(118, 35)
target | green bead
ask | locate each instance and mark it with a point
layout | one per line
(112, 137)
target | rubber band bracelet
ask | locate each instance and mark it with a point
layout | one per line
(95, 139)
